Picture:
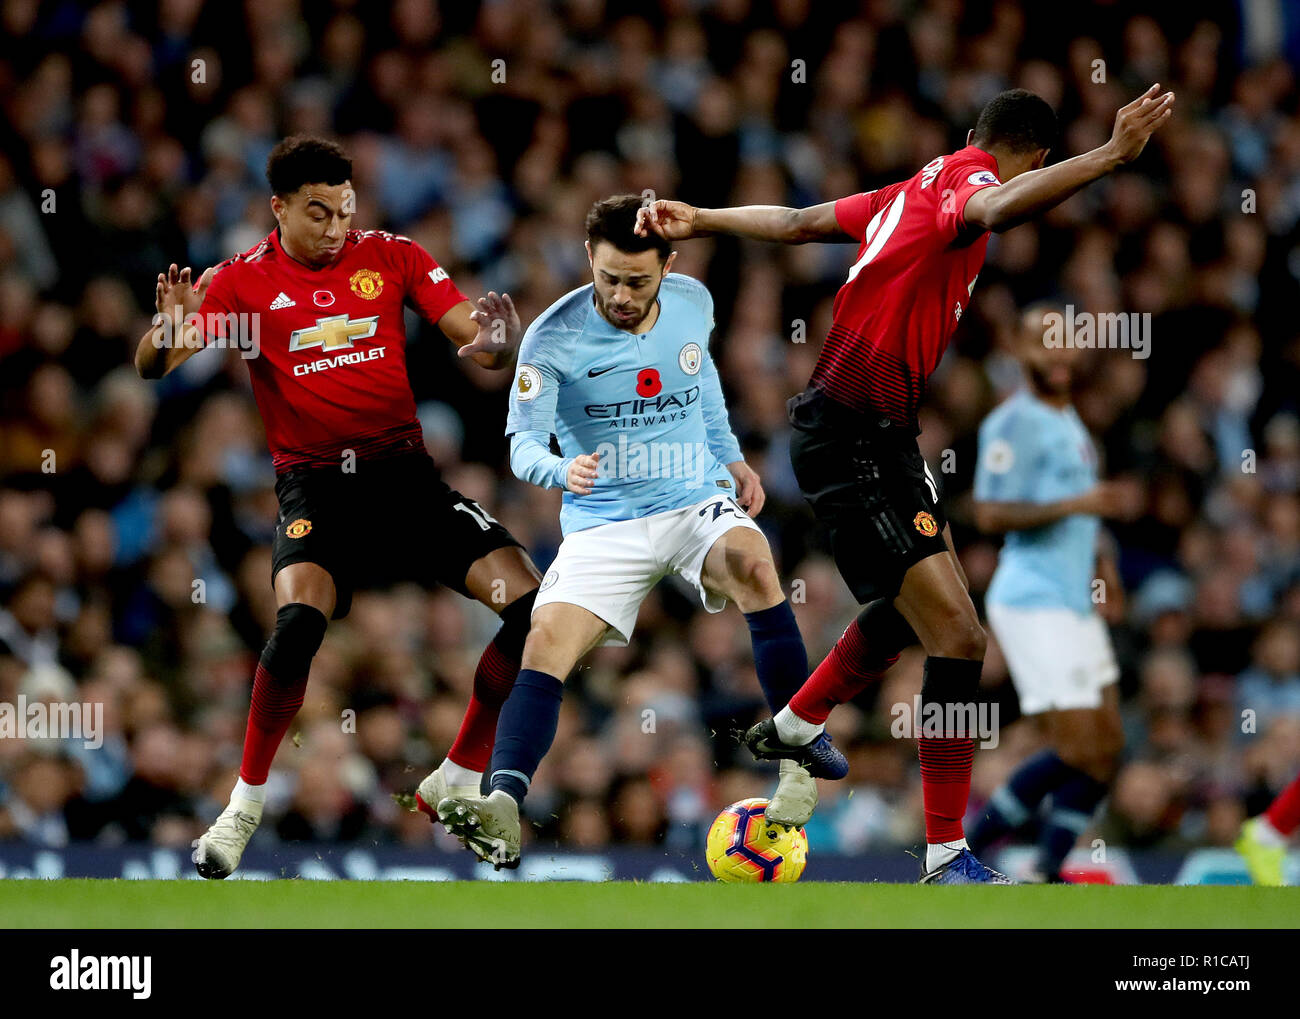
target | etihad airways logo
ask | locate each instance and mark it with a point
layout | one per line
(646, 411)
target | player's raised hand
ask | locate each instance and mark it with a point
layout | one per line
(749, 488)
(176, 295)
(582, 473)
(1136, 122)
(674, 221)
(498, 324)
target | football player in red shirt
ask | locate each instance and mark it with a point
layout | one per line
(920, 247)
(317, 310)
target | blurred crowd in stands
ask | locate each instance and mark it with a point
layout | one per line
(135, 518)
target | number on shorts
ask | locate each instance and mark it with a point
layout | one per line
(482, 517)
(720, 507)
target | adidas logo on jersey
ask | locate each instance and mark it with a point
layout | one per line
(282, 300)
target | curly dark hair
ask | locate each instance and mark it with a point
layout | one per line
(303, 159)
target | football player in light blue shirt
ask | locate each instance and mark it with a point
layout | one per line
(1036, 482)
(640, 405)
(654, 484)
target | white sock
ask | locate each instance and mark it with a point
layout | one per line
(939, 853)
(794, 730)
(456, 775)
(244, 791)
(1267, 834)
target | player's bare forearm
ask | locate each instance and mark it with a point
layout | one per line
(1001, 517)
(159, 352)
(772, 223)
(1030, 194)
(1036, 191)
(1111, 605)
(493, 346)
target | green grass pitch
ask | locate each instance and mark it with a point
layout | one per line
(482, 904)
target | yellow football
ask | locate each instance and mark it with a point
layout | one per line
(744, 846)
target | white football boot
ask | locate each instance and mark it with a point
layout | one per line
(795, 798)
(486, 825)
(218, 851)
(435, 788)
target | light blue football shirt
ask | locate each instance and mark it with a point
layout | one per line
(649, 403)
(1030, 451)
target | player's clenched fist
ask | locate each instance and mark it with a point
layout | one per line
(582, 473)
(672, 220)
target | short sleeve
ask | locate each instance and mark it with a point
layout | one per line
(429, 288)
(220, 302)
(956, 184)
(854, 212)
(1008, 459)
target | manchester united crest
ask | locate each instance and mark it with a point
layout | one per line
(367, 283)
(298, 528)
(924, 523)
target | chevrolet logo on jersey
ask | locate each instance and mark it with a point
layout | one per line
(333, 332)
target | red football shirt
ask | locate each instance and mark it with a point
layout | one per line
(330, 370)
(913, 277)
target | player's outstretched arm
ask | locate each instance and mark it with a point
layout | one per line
(489, 333)
(677, 221)
(1105, 499)
(1000, 208)
(170, 341)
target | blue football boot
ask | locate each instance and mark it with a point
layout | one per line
(964, 869)
(820, 758)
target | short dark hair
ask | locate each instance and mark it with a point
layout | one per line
(1017, 119)
(614, 220)
(303, 159)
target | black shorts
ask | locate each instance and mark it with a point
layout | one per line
(867, 483)
(392, 520)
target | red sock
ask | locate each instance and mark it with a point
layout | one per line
(1284, 814)
(275, 703)
(842, 675)
(945, 785)
(493, 679)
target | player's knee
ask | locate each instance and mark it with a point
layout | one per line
(1110, 742)
(1074, 751)
(299, 630)
(886, 633)
(755, 575)
(548, 647)
(960, 635)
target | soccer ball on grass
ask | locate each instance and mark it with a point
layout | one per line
(744, 846)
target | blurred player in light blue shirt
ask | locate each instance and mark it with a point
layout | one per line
(1036, 482)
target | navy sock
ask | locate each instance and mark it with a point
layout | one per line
(779, 655)
(1014, 804)
(1073, 805)
(525, 731)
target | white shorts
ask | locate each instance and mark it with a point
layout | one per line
(609, 569)
(1059, 659)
